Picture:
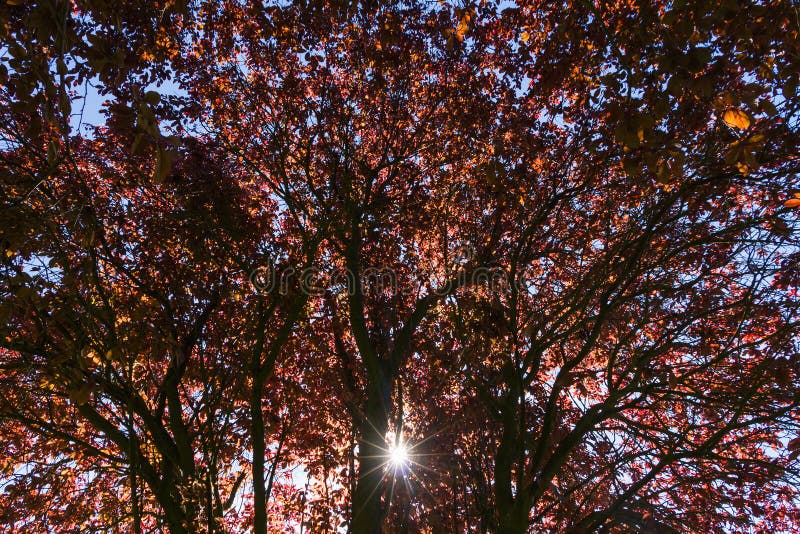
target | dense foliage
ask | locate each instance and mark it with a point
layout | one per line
(550, 250)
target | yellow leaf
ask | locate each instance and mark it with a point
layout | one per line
(736, 118)
(662, 173)
(80, 395)
(525, 36)
(743, 168)
(792, 203)
(163, 165)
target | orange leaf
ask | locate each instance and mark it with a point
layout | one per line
(736, 118)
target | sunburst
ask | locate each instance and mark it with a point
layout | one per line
(398, 456)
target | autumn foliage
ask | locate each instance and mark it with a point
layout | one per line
(250, 251)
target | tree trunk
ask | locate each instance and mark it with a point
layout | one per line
(259, 452)
(368, 511)
(512, 509)
(173, 514)
(513, 524)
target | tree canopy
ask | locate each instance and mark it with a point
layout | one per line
(476, 266)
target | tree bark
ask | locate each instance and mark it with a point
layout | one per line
(165, 490)
(513, 508)
(368, 508)
(259, 454)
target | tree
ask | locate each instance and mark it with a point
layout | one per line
(549, 249)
